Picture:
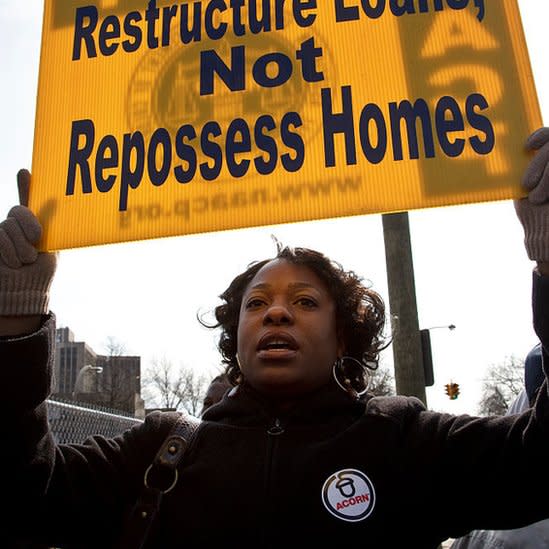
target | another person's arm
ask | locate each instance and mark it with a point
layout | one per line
(533, 211)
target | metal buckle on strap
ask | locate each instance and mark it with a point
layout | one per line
(168, 489)
(167, 459)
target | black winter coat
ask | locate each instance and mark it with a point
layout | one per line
(333, 473)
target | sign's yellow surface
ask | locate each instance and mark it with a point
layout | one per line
(158, 119)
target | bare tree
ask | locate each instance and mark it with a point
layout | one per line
(114, 347)
(501, 386)
(118, 378)
(382, 382)
(168, 386)
(192, 390)
(160, 390)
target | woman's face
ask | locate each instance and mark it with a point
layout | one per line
(287, 337)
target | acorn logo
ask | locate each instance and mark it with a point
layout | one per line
(349, 495)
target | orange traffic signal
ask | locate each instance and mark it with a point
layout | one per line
(452, 390)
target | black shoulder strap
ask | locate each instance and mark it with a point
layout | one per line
(166, 460)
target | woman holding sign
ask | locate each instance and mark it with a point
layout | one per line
(295, 454)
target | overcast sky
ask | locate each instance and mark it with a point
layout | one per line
(471, 269)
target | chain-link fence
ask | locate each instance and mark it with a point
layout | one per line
(73, 423)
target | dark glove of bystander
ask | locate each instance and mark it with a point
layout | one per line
(533, 211)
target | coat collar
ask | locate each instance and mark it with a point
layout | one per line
(245, 406)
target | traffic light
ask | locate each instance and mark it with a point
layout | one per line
(452, 390)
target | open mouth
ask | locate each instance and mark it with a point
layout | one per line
(281, 345)
(276, 345)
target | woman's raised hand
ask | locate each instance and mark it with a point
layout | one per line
(25, 273)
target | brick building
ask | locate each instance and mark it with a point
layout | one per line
(82, 375)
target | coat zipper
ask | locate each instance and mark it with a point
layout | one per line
(273, 432)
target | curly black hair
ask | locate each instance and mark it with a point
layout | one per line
(360, 313)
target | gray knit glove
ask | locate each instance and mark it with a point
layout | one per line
(25, 274)
(533, 211)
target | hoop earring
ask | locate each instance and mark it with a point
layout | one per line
(240, 376)
(346, 385)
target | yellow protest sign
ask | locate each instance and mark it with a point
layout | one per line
(158, 118)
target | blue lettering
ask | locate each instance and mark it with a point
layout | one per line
(307, 53)
(457, 4)
(238, 27)
(128, 177)
(373, 12)
(338, 123)
(292, 140)
(444, 126)
(84, 32)
(215, 33)
(151, 16)
(480, 5)
(133, 31)
(103, 162)
(481, 123)
(186, 153)
(79, 157)
(160, 138)
(345, 13)
(187, 34)
(168, 13)
(405, 111)
(234, 146)
(372, 112)
(233, 77)
(407, 7)
(259, 25)
(110, 28)
(259, 70)
(298, 7)
(212, 150)
(265, 143)
(374, 9)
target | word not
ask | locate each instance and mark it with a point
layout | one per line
(447, 116)
(108, 38)
(346, 12)
(234, 77)
(131, 156)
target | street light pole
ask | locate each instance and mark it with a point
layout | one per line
(409, 372)
(80, 376)
(447, 326)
